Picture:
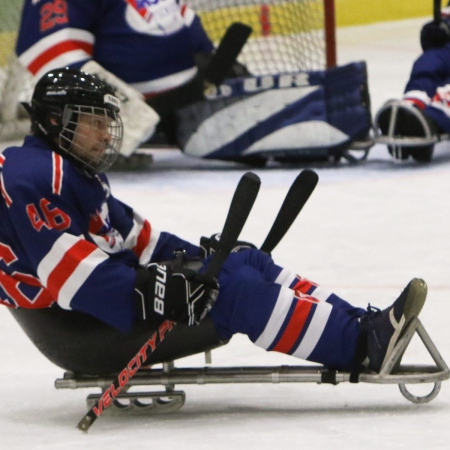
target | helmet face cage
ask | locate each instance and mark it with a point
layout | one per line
(91, 136)
(78, 114)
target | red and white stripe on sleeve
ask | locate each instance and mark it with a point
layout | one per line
(142, 239)
(67, 266)
(59, 49)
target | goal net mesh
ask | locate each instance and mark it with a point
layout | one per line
(288, 35)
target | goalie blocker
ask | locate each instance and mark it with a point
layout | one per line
(300, 116)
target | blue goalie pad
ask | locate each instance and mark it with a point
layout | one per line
(292, 116)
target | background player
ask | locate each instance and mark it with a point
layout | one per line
(424, 111)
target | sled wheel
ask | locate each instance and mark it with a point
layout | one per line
(420, 399)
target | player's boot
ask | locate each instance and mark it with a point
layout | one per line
(384, 328)
(401, 120)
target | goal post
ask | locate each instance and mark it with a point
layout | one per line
(330, 33)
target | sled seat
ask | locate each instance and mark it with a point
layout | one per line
(81, 344)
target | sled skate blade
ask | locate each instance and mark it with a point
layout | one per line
(149, 402)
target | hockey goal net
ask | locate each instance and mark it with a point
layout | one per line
(288, 36)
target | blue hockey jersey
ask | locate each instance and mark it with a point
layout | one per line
(431, 73)
(147, 43)
(65, 239)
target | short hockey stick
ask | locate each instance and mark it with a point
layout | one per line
(227, 52)
(214, 73)
(295, 200)
(241, 205)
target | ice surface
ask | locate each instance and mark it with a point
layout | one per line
(364, 233)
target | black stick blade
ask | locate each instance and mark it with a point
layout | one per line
(228, 50)
(241, 204)
(437, 12)
(293, 203)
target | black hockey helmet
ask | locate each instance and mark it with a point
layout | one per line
(61, 98)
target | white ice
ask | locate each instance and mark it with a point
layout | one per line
(364, 233)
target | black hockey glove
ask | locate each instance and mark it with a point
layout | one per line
(435, 35)
(209, 245)
(182, 296)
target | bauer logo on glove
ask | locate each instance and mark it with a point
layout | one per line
(181, 296)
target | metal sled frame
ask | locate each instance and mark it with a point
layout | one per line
(394, 141)
(172, 400)
(358, 150)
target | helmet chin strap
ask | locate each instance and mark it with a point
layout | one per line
(34, 121)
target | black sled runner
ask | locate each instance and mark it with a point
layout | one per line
(93, 354)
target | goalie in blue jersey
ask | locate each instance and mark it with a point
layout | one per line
(68, 244)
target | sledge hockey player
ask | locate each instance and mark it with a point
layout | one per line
(68, 244)
(160, 49)
(411, 126)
